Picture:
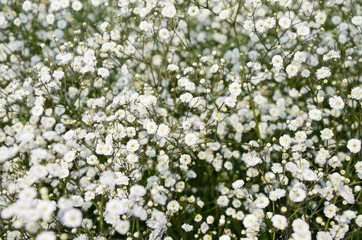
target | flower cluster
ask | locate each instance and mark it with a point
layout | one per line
(180, 119)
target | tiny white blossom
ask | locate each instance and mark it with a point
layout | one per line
(354, 145)
(72, 218)
(187, 227)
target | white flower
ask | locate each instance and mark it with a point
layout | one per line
(277, 168)
(63, 173)
(169, 11)
(303, 30)
(210, 219)
(358, 166)
(204, 227)
(261, 202)
(107, 149)
(58, 75)
(191, 139)
(218, 116)
(292, 70)
(77, 200)
(300, 136)
(357, 20)
(260, 26)
(185, 159)
(279, 221)
(27, 5)
(354, 145)
(356, 93)
(224, 237)
(251, 160)
(164, 33)
(336, 102)
(300, 226)
(297, 194)
(92, 160)
(359, 220)
(238, 184)
(224, 14)
(315, 114)
(230, 101)
(104, 26)
(146, 26)
(45, 208)
(122, 227)
(46, 236)
(158, 219)
(285, 141)
(324, 236)
(151, 127)
(248, 25)
(38, 171)
(186, 97)
(50, 18)
(222, 201)
(250, 221)
(321, 17)
(305, 73)
(277, 61)
(309, 175)
(72, 218)
(235, 88)
(214, 68)
(116, 206)
(330, 211)
(193, 11)
(300, 57)
(64, 58)
(27, 194)
(133, 145)
(326, 134)
(269, 22)
(77, 5)
(89, 195)
(347, 194)
(173, 67)
(306, 235)
(137, 190)
(173, 206)
(187, 227)
(323, 72)
(163, 130)
(69, 156)
(103, 72)
(285, 22)
(69, 135)
(37, 110)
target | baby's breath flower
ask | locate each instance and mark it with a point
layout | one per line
(123, 119)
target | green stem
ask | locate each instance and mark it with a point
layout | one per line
(244, 76)
(101, 219)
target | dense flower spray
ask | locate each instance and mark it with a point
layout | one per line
(180, 119)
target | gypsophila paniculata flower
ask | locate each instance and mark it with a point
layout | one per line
(167, 120)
